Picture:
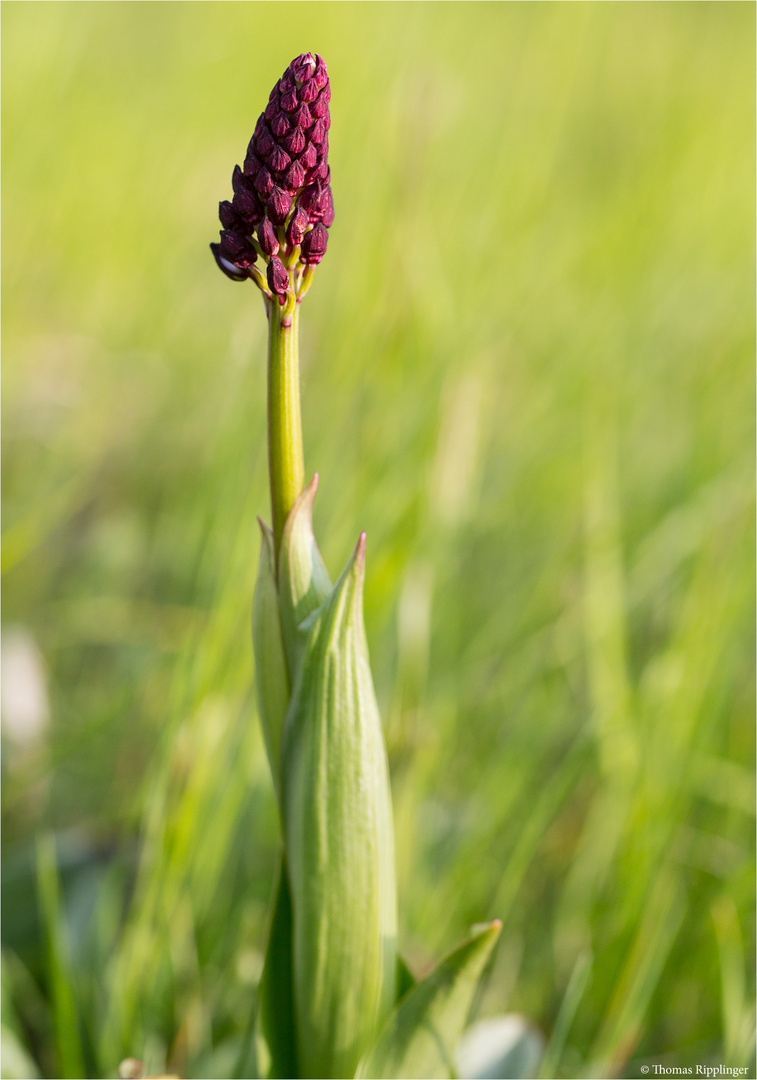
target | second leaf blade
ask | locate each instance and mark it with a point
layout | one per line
(339, 839)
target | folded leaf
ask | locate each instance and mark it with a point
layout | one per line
(276, 1002)
(420, 1038)
(304, 582)
(339, 838)
(271, 677)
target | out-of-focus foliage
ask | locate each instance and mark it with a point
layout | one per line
(527, 374)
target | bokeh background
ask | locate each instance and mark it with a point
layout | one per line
(527, 365)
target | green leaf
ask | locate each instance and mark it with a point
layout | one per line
(277, 1026)
(339, 838)
(271, 676)
(405, 978)
(304, 582)
(65, 1019)
(421, 1036)
(15, 1061)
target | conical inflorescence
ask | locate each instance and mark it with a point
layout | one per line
(282, 206)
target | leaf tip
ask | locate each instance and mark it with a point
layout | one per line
(356, 566)
(311, 489)
(487, 929)
(302, 504)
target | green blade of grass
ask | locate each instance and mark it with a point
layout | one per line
(65, 1017)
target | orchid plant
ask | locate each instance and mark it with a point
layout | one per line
(335, 998)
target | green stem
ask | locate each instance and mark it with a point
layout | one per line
(286, 466)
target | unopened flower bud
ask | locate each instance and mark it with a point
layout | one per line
(277, 207)
(228, 215)
(318, 132)
(317, 201)
(302, 68)
(309, 156)
(237, 249)
(264, 143)
(248, 207)
(278, 279)
(267, 238)
(294, 177)
(264, 183)
(302, 117)
(289, 101)
(314, 244)
(238, 180)
(320, 75)
(308, 200)
(229, 269)
(319, 172)
(294, 141)
(252, 163)
(297, 227)
(280, 125)
(234, 255)
(320, 106)
(308, 93)
(326, 203)
(279, 159)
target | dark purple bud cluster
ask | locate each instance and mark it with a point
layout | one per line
(282, 195)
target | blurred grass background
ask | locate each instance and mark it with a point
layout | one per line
(527, 373)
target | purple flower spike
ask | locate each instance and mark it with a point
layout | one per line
(284, 181)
